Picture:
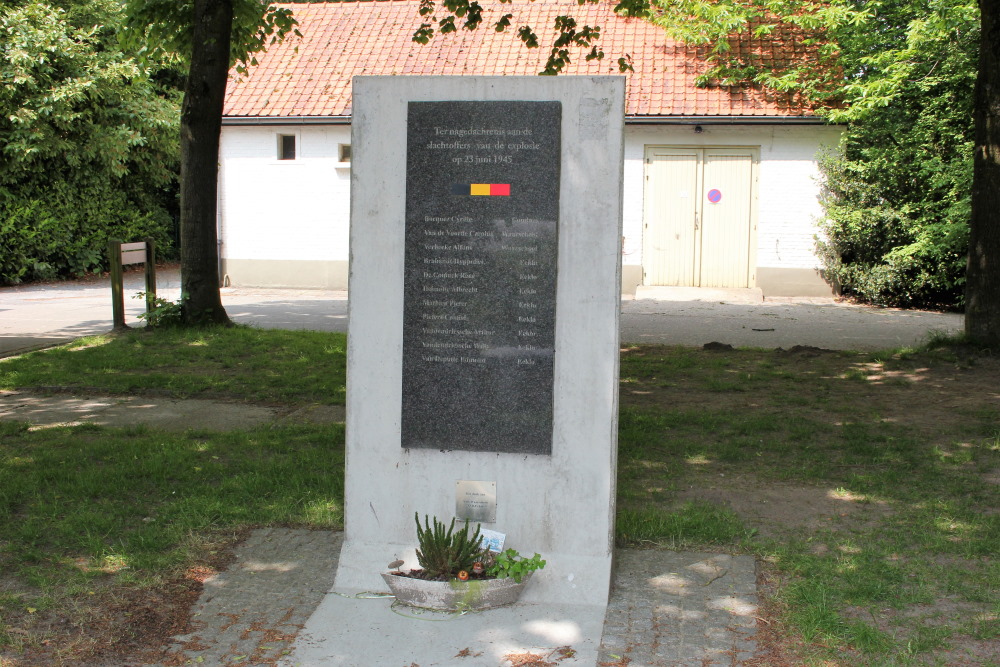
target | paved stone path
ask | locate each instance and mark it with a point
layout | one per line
(34, 316)
(170, 414)
(251, 613)
(681, 608)
(667, 608)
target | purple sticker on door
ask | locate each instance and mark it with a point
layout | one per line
(714, 196)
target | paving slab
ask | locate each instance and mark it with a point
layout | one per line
(251, 613)
(355, 632)
(672, 609)
(276, 605)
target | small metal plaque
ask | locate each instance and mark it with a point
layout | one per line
(476, 501)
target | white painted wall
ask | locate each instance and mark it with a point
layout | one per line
(788, 205)
(284, 209)
(299, 210)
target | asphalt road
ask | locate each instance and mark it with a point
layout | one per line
(39, 315)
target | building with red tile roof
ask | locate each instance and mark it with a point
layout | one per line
(285, 156)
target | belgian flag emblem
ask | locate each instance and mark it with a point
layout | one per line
(481, 189)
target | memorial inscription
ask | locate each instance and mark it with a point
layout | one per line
(482, 212)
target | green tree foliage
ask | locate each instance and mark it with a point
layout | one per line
(211, 36)
(898, 202)
(157, 27)
(447, 15)
(808, 29)
(88, 140)
(900, 74)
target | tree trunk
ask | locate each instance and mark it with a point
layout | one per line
(201, 123)
(982, 290)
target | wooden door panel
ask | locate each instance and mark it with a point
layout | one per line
(671, 202)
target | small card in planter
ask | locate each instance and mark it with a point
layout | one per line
(492, 539)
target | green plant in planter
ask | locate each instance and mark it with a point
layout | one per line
(445, 553)
(511, 564)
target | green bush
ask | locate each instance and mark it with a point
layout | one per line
(898, 195)
(66, 232)
(88, 141)
(893, 246)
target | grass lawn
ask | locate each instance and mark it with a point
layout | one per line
(266, 366)
(867, 486)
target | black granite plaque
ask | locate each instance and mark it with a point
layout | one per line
(482, 212)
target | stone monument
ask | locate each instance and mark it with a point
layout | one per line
(483, 337)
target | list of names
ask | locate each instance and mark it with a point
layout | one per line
(480, 275)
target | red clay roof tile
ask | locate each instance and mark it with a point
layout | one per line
(311, 75)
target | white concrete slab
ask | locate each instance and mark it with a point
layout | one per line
(348, 631)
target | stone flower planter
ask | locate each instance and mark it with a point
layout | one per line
(471, 595)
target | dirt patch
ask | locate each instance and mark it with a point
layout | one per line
(938, 618)
(107, 629)
(949, 399)
(114, 626)
(778, 509)
(946, 389)
(776, 645)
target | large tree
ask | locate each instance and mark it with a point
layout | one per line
(982, 293)
(212, 36)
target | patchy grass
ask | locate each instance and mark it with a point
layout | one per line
(91, 515)
(867, 485)
(263, 365)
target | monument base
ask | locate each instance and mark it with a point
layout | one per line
(348, 631)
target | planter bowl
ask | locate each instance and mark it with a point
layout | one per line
(455, 595)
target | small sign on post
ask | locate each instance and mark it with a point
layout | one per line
(122, 254)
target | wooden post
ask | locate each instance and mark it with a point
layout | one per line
(117, 284)
(150, 275)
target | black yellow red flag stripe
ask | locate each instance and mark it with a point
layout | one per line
(481, 189)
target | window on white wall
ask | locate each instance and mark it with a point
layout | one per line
(344, 152)
(286, 146)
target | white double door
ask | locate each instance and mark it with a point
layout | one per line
(699, 216)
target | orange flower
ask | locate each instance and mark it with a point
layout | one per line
(463, 576)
